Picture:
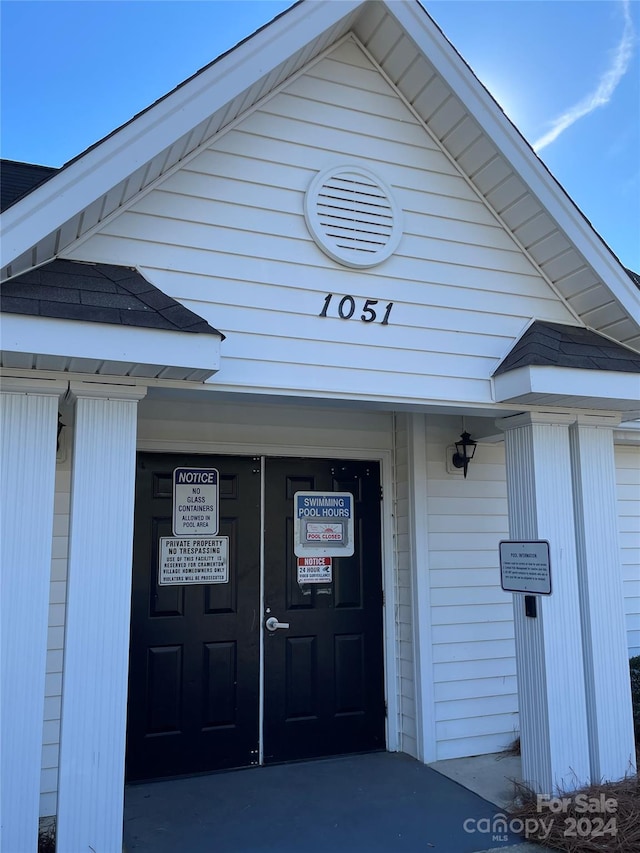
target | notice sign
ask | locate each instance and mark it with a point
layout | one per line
(323, 524)
(315, 570)
(189, 560)
(195, 502)
(525, 567)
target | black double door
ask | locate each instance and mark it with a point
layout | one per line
(197, 701)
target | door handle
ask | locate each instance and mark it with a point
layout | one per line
(272, 624)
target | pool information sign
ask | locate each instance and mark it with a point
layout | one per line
(195, 501)
(323, 524)
(525, 567)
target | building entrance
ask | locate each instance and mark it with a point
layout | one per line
(265, 667)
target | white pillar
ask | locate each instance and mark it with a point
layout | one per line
(551, 681)
(606, 657)
(28, 461)
(94, 696)
(420, 592)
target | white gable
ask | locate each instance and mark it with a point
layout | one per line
(226, 235)
(441, 91)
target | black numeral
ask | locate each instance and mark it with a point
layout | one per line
(327, 300)
(350, 301)
(368, 314)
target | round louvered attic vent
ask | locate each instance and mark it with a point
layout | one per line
(352, 216)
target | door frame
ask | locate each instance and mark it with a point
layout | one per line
(385, 458)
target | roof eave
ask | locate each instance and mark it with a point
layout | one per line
(72, 346)
(566, 387)
(95, 172)
(457, 74)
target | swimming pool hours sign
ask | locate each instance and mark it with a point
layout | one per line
(195, 501)
(323, 524)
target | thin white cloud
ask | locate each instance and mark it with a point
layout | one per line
(605, 89)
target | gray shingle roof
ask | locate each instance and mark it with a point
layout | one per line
(568, 346)
(635, 278)
(98, 293)
(19, 179)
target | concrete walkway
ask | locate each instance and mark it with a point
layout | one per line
(490, 776)
(375, 802)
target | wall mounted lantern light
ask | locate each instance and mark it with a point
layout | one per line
(465, 450)
(61, 426)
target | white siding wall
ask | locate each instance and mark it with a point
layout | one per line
(628, 488)
(475, 688)
(247, 428)
(57, 600)
(404, 616)
(226, 235)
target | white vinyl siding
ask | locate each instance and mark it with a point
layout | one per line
(251, 429)
(628, 490)
(404, 604)
(475, 690)
(475, 684)
(55, 640)
(225, 234)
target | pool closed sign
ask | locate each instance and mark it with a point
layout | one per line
(195, 501)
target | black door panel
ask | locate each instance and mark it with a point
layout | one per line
(194, 660)
(324, 692)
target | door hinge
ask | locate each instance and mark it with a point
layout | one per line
(384, 600)
(386, 710)
(381, 493)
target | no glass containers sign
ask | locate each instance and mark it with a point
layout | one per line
(195, 501)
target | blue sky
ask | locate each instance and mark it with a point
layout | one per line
(567, 72)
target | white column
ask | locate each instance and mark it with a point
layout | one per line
(28, 460)
(94, 696)
(609, 712)
(551, 681)
(421, 600)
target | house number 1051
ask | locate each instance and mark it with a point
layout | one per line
(347, 308)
